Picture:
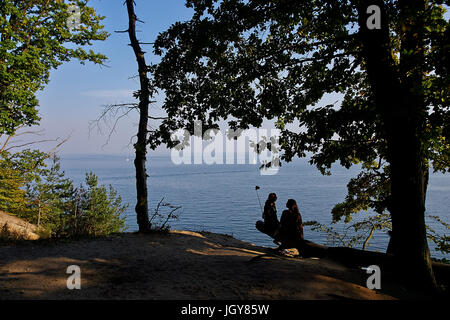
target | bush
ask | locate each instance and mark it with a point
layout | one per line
(163, 213)
(40, 194)
(93, 211)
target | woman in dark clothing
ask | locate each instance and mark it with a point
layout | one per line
(271, 223)
(291, 227)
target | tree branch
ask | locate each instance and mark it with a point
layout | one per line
(29, 143)
(111, 112)
(158, 118)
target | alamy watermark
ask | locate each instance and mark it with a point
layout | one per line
(374, 20)
(249, 146)
(74, 19)
(74, 280)
(374, 281)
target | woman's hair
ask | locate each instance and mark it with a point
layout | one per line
(292, 206)
(271, 198)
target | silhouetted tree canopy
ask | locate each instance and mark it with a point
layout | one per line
(246, 61)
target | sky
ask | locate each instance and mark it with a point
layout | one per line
(77, 94)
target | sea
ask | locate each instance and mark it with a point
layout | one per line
(224, 198)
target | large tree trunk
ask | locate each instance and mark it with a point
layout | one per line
(141, 144)
(400, 103)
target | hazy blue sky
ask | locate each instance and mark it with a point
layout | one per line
(76, 93)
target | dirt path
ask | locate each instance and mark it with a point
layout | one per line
(180, 265)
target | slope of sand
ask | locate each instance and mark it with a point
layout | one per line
(178, 265)
(17, 228)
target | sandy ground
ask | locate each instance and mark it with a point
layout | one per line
(17, 228)
(178, 265)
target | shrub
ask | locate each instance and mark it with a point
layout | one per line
(40, 193)
(94, 211)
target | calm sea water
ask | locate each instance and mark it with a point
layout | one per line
(222, 198)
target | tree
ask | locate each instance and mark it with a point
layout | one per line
(141, 144)
(16, 171)
(21, 174)
(49, 194)
(12, 196)
(38, 191)
(36, 37)
(118, 111)
(93, 210)
(246, 61)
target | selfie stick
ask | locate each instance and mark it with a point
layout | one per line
(256, 189)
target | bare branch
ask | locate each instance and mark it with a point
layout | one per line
(29, 143)
(158, 118)
(131, 141)
(52, 151)
(37, 133)
(9, 138)
(112, 111)
(113, 129)
(6, 143)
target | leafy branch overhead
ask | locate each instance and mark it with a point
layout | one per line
(246, 61)
(35, 39)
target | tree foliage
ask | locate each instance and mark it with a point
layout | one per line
(16, 171)
(34, 39)
(96, 210)
(355, 234)
(33, 187)
(249, 61)
(442, 241)
(12, 197)
(48, 195)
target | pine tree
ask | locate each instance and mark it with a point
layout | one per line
(49, 197)
(95, 211)
(12, 196)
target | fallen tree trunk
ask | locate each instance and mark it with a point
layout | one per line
(356, 258)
